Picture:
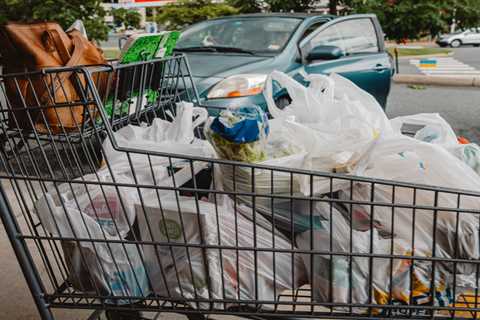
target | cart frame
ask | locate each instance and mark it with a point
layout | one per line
(55, 288)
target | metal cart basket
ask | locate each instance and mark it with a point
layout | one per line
(161, 232)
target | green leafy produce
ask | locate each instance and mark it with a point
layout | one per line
(247, 152)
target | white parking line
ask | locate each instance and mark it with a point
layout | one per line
(445, 66)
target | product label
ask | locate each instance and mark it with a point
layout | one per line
(170, 228)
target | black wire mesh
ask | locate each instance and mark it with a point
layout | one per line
(116, 227)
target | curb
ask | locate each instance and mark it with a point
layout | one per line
(467, 81)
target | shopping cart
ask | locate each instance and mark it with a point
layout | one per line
(226, 237)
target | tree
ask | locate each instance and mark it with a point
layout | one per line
(247, 6)
(133, 18)
(185, 12)
(404, 19)
(65, 12)
(412, 19)
(127, 18)
(290, 5)
(118, 16)
(466, 13)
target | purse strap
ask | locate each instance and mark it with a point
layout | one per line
(69, 60)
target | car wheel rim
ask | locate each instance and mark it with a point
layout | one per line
(456, 44)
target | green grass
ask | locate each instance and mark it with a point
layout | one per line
(111, 53)
(404, 52)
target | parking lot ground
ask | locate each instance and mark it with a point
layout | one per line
(459, 106)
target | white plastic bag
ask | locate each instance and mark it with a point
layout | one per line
(282, 150)
(176, 137)
(408, 160)
(91, 211)
(469, 154)
(434, 129)
(336, 122)
(326, 102)
(347, 270)
(306, 103)
(334, 276)
(192, 272)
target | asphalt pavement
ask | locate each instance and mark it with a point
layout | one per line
(459, 106)
(468, 55)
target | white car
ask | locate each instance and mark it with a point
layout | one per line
(459, 38)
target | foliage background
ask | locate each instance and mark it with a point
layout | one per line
(175, 16)
(127, 18)
(400, 19)
(65, 12)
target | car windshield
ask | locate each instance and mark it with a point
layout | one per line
(257, 35)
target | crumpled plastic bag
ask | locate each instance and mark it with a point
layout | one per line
(434, 129)
(187, 271)
(405, 159)
(335, 276)
(336, 122)
(239, 134)
(343, 273)
(87, 210)
(101, 206)
(162, 136)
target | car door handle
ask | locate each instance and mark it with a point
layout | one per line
(380, 67)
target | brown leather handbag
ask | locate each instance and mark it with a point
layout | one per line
(31, 47)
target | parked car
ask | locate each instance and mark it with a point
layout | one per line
(230, 57)
(459, 38)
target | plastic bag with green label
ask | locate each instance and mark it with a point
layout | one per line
(180, 268)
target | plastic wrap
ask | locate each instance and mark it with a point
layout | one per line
(225, 273)
(239, 134)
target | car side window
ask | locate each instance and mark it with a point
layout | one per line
(330, 36)
(353, 36)
(311, 29)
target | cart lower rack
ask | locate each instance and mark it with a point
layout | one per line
(105, 227)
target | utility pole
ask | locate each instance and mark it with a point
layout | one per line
(332, 6)
(453, 26)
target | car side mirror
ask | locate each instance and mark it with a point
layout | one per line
(325, 53)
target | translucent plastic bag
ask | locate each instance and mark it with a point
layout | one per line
(405, 159)
(282, 150)
(336, 122)
(92, 211)
(327, 103)
(431, 127)
(468, 153)
(239, 134)
(340, 279)
(189, 272)
(434, 129)
(176, 137)
(344, 276)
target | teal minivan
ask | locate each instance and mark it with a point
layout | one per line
(230, 57)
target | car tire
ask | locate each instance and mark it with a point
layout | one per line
(476, 45)
(455, 43)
